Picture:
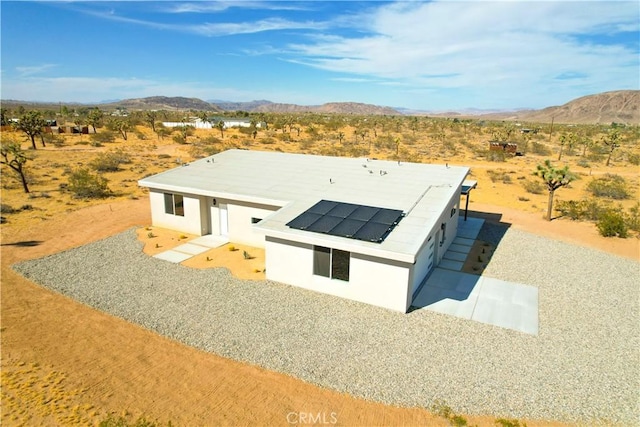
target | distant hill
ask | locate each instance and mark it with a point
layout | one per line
(621, 106)
(332, 107)
(164, 103)
(239, 106)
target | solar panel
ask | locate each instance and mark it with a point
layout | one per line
(343, 210)
(325, 224)
(322, 207)
(347, 227)
(364, 213)
(304, 220)
(359, 222)
(373, 232)
(387, 216)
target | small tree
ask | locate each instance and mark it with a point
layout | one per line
(94, 118)
(220, 126)
(150, 119)
(122, 126)
(611, 141)
(14, 157)
(554, 179)
(31, 123)
(567, 139)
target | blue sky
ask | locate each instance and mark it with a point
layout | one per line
(438, 55)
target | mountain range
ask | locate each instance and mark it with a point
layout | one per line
(618, 106)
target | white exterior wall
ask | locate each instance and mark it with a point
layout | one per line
(190, 223)
(431, 252)
(372, 280)
(241, 229)
(425, 262)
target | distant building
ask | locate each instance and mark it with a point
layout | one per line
(212, 122)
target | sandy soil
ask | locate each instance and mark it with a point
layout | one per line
(65, 363)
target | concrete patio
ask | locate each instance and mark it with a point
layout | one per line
(483, 299)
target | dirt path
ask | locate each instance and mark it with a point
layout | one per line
(65, 363)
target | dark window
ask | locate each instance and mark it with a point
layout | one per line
(178, 204)
(168, 203)
(340, 265)
(173, 204)
(331, 263)
(255, 220)
(321, 261)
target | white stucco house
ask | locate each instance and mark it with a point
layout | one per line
(363, 229)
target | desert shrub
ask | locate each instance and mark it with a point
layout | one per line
(284, 137)
(583, 163)
(634, 159)
(7, 209)
(85, 185)
(588, 209)
(179, 139)
(610, 186)
(52, 139)
(113, 421)
(199, 150)
(533, 187)
(110, 162)
(209, 140)
(495, 156)
(633, 219)
(612, 223)
(103, 137)
(503, 422)
(540, 149)
(141, 136)
(499, 175)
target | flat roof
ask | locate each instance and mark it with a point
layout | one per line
(296, 182)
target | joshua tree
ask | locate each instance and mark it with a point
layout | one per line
(31, 123)
(611, 141)
(94, 118)
(554, 178)
(14, 157)
(121, 125)
(150, 119)
(220, 126)
(567, 139)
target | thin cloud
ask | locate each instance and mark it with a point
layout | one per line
(34, 69)
(219, 28)
(499, 45)
(221, 6)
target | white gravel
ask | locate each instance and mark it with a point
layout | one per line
(582, 367)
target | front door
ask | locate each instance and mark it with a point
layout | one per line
(224, 220)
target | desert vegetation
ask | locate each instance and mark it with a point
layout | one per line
(76, 169)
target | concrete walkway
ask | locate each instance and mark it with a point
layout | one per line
(192, 248)
(483, 299)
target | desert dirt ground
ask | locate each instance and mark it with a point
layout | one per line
(64, 363)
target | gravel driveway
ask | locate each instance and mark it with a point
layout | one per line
(583, 365)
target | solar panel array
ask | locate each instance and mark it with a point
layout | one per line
(359, 222)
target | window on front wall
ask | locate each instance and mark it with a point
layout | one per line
(255, 220)
(331, 263)
(173, 204)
